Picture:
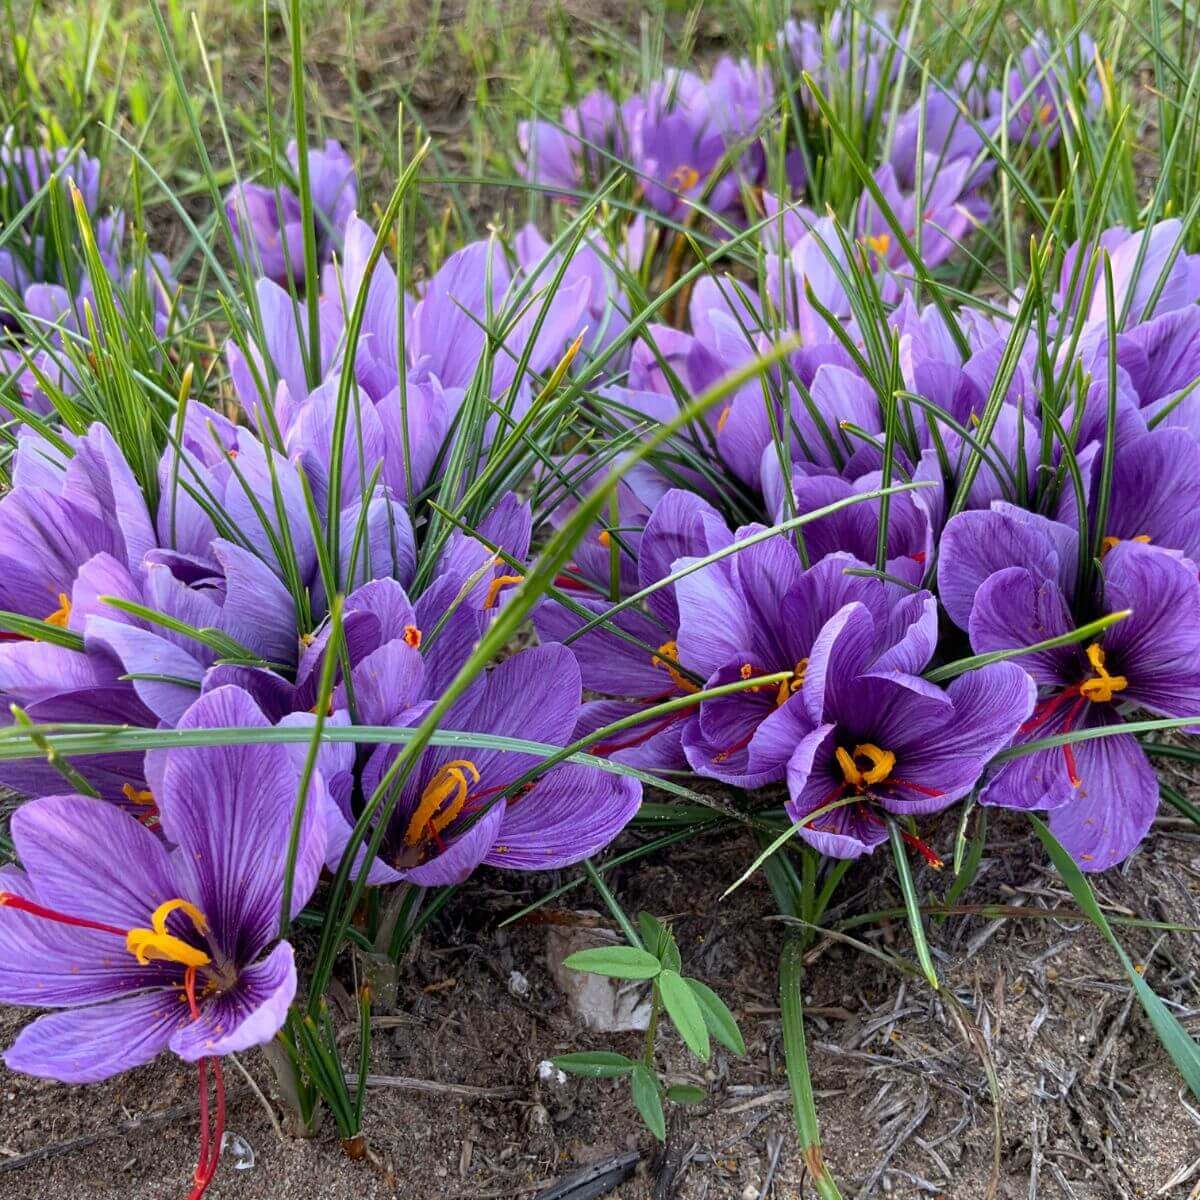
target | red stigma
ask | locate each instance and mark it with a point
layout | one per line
(923, 850)
(603, 748)
(11, 900)
(210, 1137)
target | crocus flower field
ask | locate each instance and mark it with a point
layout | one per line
(806, 448)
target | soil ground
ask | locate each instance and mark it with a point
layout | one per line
(1090, 1107)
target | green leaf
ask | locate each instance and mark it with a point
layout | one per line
(595, 1064)
(686, 1093)
(685, 1012)
(912, 903)
(659, 940)
(720, 1021)
(618, 962)
(648, 1101)
(795, 1053)
(1184, 1052)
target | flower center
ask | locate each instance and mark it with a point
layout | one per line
(441, 801)
(789, 686)
(157, 943)
(881, 243)
(867, 765)
(62, 614)
(683, 178)
(1102, 686)
(667, 658)
(1109, 542)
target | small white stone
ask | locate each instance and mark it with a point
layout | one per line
(549, 1073)
(518, 984)
(240, 1150)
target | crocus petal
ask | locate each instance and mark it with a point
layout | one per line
(1017, 607)
(85, 1045)
(1112, 811)
(229, 810)
(989, 707)
(89, 859)
(249, 1014)
(567, 816)
(462, 855)
(1158, 646)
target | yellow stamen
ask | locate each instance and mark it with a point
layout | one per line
(493, 592)
(745, 670)
(790, 686)
(157, 944)
(881, 764)
(880, 243)
(1104, 686)
(1110, 541)
(137, 795)
(448, 787)
(723, 418)
(62, 614)
(683, 178)
(669, 650)
(307, 639)
(412, 637)
(1043, 113)
(604, 538)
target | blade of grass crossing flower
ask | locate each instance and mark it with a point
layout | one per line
(1084, 633)
(324, 693)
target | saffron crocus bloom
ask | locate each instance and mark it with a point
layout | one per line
(575, 151)
(885, 742)
(451, 815)
(267, 222)
(61, 513)
(1012, 575)
(685, 130)
(145, 949)
(760, 612)
(27, 169)
(1151, 275)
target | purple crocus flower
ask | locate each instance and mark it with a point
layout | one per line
(686, 129)
(882, 741)
(606, 310)
(144, 949)
(937, 222)
(267, 221)
(449, 820)
(1007, 577)
(847, 55)
(950, 133)
(25, 170)
(1151, 275)
(1047, 81)
(760, 612)
(574, 152)
(63, 510)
